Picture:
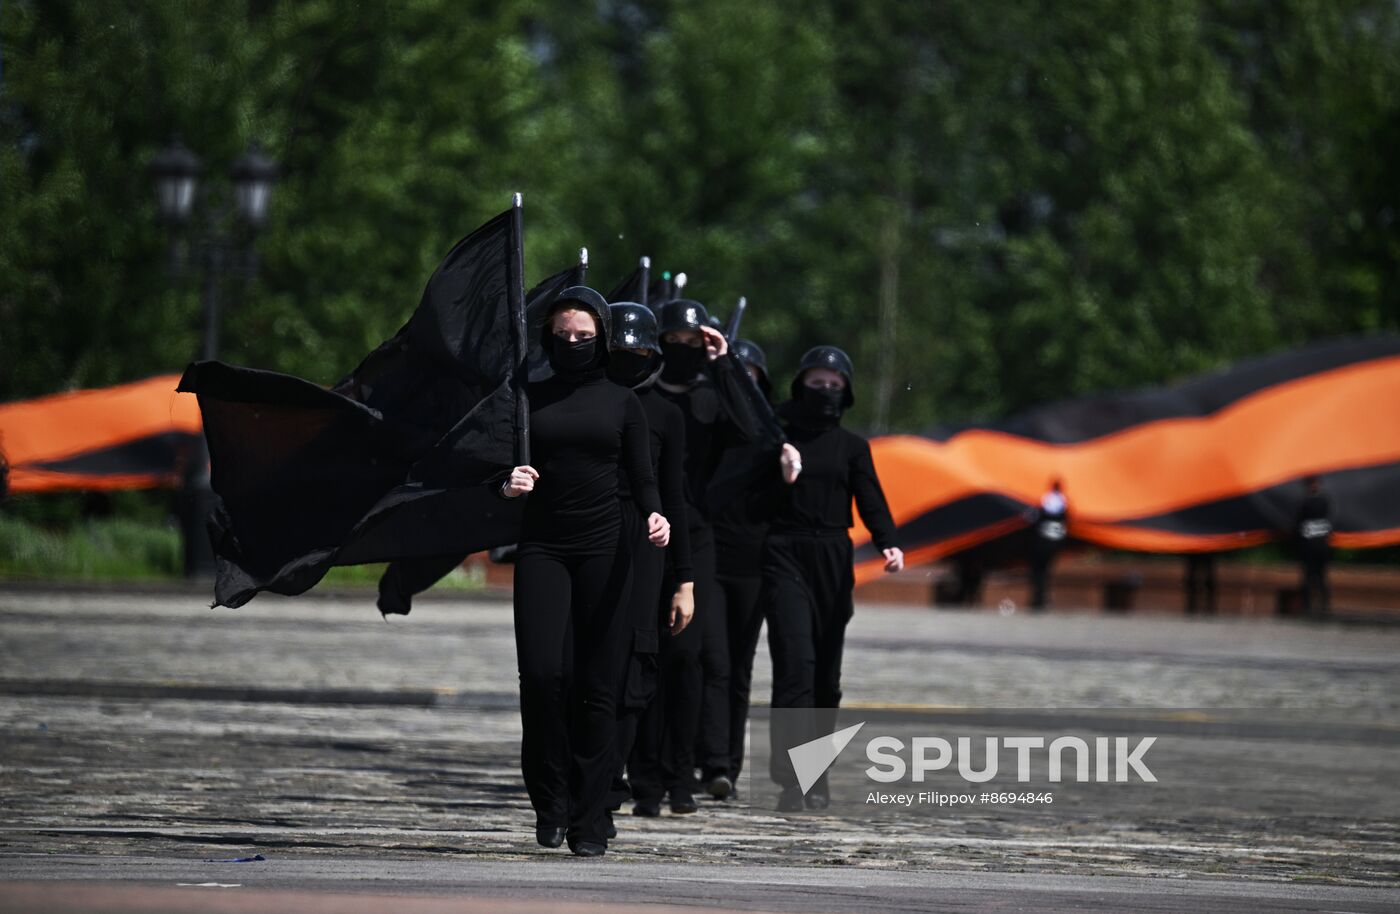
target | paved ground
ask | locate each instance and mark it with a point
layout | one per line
(145, 735)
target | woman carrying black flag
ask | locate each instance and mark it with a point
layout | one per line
(808, 574)
(573, 570)
(634, 361)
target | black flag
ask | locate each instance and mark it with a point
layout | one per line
(660, 291)
(400, 460)
(403, 579)
(636, 287)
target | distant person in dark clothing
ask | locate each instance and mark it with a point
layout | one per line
(1200, 583)
(1049, 526)
(1313, 530)
(972, 573)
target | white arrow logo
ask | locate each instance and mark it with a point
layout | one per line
(811, 759)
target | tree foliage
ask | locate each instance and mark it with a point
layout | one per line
(988, 205)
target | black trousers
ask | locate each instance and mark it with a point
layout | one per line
(572, 634)
(1317, 595)
(744, 613)
(1200, 583)
(716, 671)
(640, 680)
(663, 758)
(807, 582)
(1042, 559)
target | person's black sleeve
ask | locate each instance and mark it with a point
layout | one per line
(745, 424)
(672, 467)
(870, 498)
(636, 456)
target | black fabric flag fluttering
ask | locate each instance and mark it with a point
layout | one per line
(636, 287)
(398, 462)
(405, 578)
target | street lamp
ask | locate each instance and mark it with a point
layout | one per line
(176, 173)
(211, 236)
(253, 174)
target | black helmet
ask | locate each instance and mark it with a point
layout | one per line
(831, 358)
(584, 298)
(748, 352)
(682, 314)
(633, 327)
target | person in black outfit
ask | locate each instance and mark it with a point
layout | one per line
(739, 533)
(1049, 526)
(635, 362)
(700, 376)
(1200, 583)
(572, 572)
(808, 573)
(1314, 534)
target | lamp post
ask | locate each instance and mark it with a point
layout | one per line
(211, 236)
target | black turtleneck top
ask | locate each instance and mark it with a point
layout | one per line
(666, 426)
(836, 467)
(581, 429)
(713, 423)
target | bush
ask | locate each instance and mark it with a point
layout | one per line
(119, 549)
(107, 549)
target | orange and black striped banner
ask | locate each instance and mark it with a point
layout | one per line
(1212, 464)
(1208, 465)
(132, 436)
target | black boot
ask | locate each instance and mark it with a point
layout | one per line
(682, 803)
(585, 848)
(791, 800)
(550, 835)
(720, 787)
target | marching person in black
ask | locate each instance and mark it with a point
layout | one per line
(701, 377)
(1049, 526)
(1314, 535)
(635, 362)
(739, 532)
(572, 572)
(808, 573)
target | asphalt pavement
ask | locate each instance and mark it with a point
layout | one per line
(146, 736)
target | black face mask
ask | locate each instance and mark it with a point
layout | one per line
(822, 403)
(631, 368)
(571, 358)
(681, 362)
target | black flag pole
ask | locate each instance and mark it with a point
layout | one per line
(731, 332)
(516, 293)
(646, 280)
